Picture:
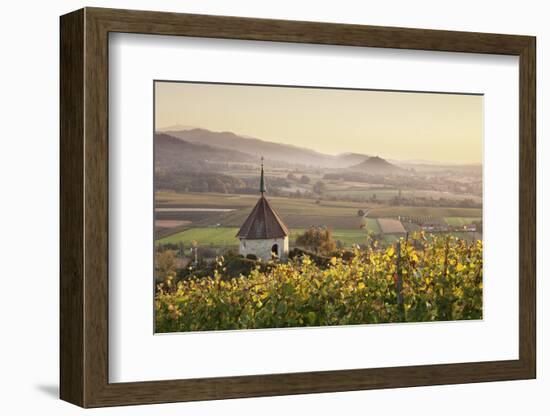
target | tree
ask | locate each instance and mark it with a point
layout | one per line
(181, 249)
(319, 187)
(291, 177)
(165, 265)
(305, 179)
(318, 239)
(360, 213)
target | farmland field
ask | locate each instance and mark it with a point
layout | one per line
(366, 191)
(460, 221)
(220, 236)
(297, 212)
(391, 211)
(391, 226)
(225, 236)
(213, 219)
(170, 223)
(371, 225)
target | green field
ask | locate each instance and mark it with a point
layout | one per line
(372, 225)
(460, 221)
(220, 236)
(225, 236)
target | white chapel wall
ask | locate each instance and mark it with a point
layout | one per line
(262, 248)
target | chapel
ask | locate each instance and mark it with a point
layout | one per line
(263, 233)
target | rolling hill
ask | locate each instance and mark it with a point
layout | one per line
(173, 153)
(282, 153)
(350, 159)
(377, 166)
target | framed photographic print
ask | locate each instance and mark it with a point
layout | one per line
(255, 207)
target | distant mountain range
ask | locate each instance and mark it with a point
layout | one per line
(230, 147)
(175, 127)
(284, 153)
(174, 153)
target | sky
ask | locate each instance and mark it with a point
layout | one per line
(445, 128)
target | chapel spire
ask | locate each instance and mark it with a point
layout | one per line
(262, 181)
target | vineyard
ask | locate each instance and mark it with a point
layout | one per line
(420, 278)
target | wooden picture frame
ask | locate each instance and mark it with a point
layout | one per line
(84, 207)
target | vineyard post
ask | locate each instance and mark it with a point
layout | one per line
(399, 283)
(448, 311)
(195, 245)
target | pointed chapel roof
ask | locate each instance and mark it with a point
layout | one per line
(263, 223)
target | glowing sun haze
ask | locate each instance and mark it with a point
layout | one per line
(393, 125)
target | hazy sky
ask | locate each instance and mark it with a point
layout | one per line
(394, 125)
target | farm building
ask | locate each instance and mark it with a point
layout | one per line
(263, 233)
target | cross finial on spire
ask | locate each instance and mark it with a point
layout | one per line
(262, 182)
